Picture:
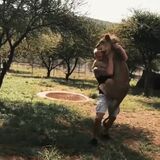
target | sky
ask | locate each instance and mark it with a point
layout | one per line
(116, 10)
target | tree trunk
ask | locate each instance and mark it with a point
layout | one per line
(3, 72)
(6, 66)
(48, 73)
(67, 76)
(147, 83)
(69, 70)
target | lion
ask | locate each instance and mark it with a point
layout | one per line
(112, 74)
(117, 84)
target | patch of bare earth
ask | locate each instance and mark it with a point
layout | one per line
(66, 96)
(142, 124)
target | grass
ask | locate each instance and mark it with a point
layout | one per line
(55, 130)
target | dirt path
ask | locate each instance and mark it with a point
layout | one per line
(144, 126)
(146, 120)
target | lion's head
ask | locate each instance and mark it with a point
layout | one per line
(106, 43)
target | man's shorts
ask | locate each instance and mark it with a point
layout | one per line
(104, 104)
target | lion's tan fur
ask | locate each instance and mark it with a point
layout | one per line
(117, 87)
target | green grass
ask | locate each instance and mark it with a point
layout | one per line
(54, 130)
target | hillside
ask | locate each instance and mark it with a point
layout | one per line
(101, 22)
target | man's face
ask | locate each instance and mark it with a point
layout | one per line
(99, 55)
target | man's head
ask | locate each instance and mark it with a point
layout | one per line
(98, 54)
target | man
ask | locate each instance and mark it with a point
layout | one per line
(113, 86)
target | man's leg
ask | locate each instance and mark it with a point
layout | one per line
(100, 112)
(108, 122)
(96, 128)
(97, 124)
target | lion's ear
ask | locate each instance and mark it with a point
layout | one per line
(107, 37)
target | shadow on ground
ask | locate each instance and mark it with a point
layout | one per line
(37, 125)
(78, 83)
(150, 104)
(127, 143)
(26, 128)
(20, 72)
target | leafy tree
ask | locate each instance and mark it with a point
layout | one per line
(27, 51)
(18, 18)
(47, 53)
(134, 56)
(75, 47)
(40, 49)
(143, 31)
(68, 52)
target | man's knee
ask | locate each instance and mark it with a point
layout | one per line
(98, 119)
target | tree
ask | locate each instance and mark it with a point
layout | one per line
(40, 49)
(134, 56)
(143, 30)
(73, 47)
(68, 52)
(47, 53)
(19, 18)
(27, 51)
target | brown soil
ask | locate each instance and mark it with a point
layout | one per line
(66, 96)
(142, 124)
(134, 127)
(146, 120)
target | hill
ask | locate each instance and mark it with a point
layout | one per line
(101, 22)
